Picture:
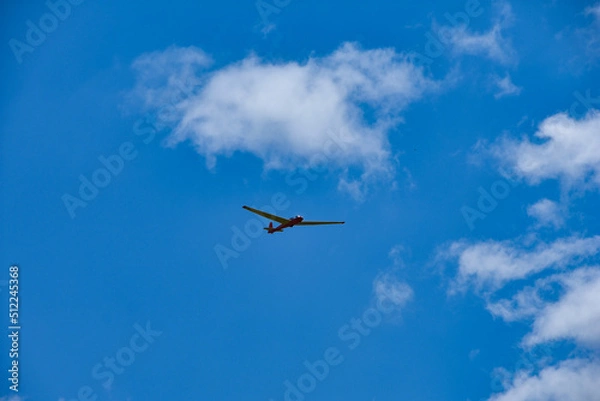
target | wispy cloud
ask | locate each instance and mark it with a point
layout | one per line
(161, 75)
(582, 40)
(593, 11)
(546, 213)
(12, 398)
(492, 44)
(396, 254)
(286, 112)
(505, 87)
(387, 287)
(491, 264)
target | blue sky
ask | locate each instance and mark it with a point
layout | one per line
(459, 140)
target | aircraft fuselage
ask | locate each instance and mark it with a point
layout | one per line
(291, 223)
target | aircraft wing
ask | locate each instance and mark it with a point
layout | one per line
(269, 216)
(316, 223)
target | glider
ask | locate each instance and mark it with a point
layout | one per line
(285, 223)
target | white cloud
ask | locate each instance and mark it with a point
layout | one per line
(547, 213)
(563, 306)
(287, 113)
(574, 315)
(387, 287)
(506, 87)
(571, 380)
(491, 264)
(525, 304)
(570, 152)
(491, 44)
(560, 306)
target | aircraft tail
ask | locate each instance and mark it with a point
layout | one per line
(270, 228)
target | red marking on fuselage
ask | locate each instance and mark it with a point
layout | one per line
(291, 223)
